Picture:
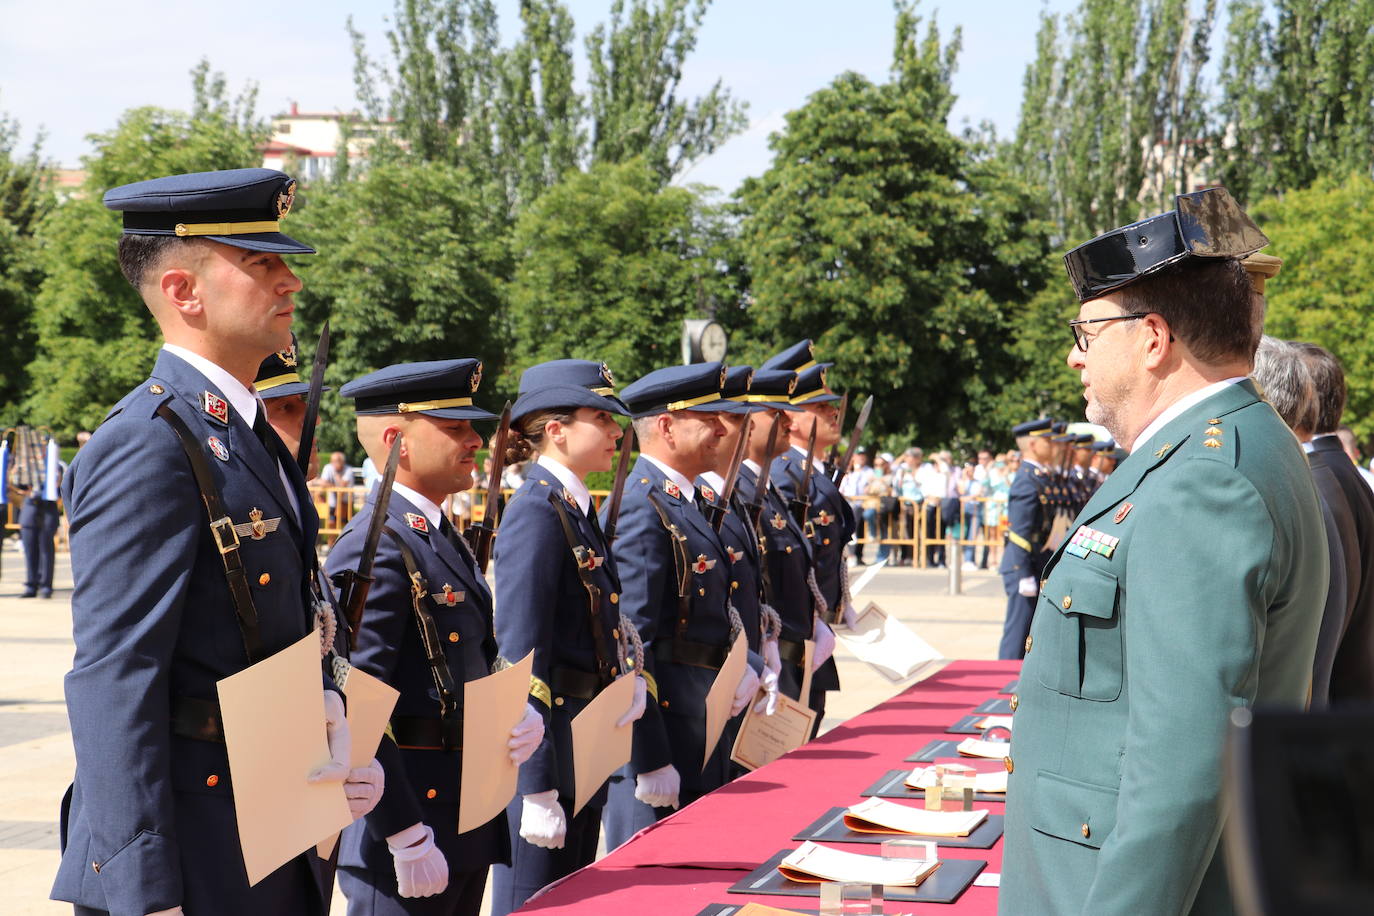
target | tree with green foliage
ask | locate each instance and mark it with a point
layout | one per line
(908, 253)
(25, 197)
(1325, 291)
(1297, 99)
(610, 264)
(1114, 111)
(96, 339)
(410, 267)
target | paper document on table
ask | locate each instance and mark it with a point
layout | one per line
(878, 815)
(492, 706)
(890, 646)
(273, 714)
(812, 863)
(599, 747)
(721, 696)
(370, 703)
(977, 747)
(763, 739)
(924, 778)
(995, 722)
(758, 909)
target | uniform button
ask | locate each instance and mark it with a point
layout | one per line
(1044, 582)
(733, 585)
(615, 599)
(826, 541)
(432, 793)
(1086, 832)
(95, 867)
(1029, 640)
(788, 548)
(558, 701)
(701, 592)
(664, 704)
(453, 637)
(614, 672)
(264, 578)
(1067, 602)
(1015, 702)
(1009, 765)
(152, 389)
(212, 780)
(615, 634)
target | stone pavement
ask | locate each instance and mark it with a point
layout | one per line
(36, 761)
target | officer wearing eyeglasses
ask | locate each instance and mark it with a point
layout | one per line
(1191, 583)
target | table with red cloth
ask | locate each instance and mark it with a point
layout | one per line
(679, 865)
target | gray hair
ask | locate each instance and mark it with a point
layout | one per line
(1283, 374)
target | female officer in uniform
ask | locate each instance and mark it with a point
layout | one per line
(557, 594)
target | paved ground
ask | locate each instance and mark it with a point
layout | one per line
(36, 760)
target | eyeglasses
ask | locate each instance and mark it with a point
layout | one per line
(1081, 340)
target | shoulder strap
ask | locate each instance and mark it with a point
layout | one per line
(222, 528)
(584, 558)
(681, 561)
(450, 726)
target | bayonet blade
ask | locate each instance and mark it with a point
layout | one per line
(834, 454)
(732, 473)
(622, 469)
(765, 470)
(854, 438)
(360, 581)
(312, 402)
(481, 534)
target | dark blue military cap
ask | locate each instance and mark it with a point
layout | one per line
(773, 388)
(1203, 224)
(734, 393)
(1064, 438)
(811, 386)
(1106, 445)
(801, 355)
(440, 388)
(279, 375)
(694, 387)
(239, 207)
(1085, 440)
(1041, 427)
(567, 383)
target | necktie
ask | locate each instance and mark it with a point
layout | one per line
(596, 524)
(459, 542)
(266, 435)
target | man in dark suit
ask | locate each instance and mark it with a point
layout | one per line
(676, 577)
(407, 856)
(1352, 672)
(168, 602)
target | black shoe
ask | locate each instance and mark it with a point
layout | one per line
(29, 593)
(45, 593)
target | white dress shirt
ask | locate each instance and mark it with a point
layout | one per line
(1179, 406)
(689, 489)
(569, 480)
(427, 506)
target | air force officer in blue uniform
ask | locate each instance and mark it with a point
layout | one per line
(407, 856)
(1030, 516)
(676, 577)
(164, 606)
(558, 595)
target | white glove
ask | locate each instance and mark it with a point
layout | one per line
(174, 911)
(526, 735)
(542, 821)
(363, 788)
(848, 615)
(825, 643)
(637, 704)
(340, 744)
(1028, 587)
(421, 869)
(745, 691)
(768, 703)
(659, 788)
(772, 659)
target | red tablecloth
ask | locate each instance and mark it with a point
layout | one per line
(679, 865)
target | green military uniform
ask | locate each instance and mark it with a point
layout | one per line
(1192, 583)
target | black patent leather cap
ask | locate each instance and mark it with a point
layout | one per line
(1204, 224)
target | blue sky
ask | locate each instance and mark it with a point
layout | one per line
(73, 67)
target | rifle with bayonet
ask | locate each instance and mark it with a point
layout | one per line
(854, 437)
(716, 511)
(622, 469)
(801, 503)
(312, 403)
(480, 534)
(354, 584)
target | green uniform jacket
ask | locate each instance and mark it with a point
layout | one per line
(1209, 598)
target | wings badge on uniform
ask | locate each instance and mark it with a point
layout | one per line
(257, 527)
